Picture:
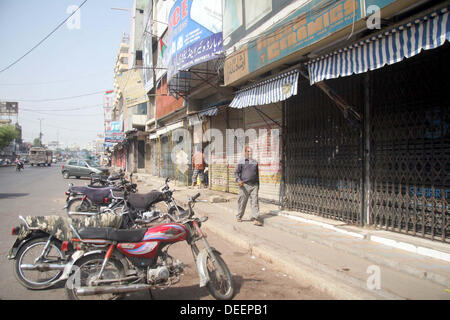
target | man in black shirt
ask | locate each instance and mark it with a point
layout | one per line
(247, 176)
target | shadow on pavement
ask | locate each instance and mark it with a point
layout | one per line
(12, 195)
(193, 292)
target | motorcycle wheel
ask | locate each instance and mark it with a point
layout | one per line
(87, 268)
(33, 279)
(79, 205)
(220, 285)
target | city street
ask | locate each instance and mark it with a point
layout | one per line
(40, 191)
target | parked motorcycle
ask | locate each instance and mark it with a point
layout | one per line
(111, 180)
(39, 259)
(115, 262)
(142, 207)
(89, 200)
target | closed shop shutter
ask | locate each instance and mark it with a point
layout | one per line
(268, 155)
(218, 168)
(154, 147)
(410, 162)
(222, 173)
(323, 162)
(166, 159)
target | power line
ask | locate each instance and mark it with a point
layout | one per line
(53, 82)
(40, 42)
(56, 99)
(61, 128)
(65, 115)
(62, 110)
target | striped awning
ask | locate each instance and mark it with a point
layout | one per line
(201, 116)
(386, 48)
(208, 113)
(272, 90)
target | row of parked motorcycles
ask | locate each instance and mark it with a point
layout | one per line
(115, 241)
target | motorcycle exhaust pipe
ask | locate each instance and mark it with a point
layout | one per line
(43, 266)
(82, 213)
(89, 291)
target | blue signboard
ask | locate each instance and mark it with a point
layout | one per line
(379, 3)
(309, 24)
(194, 33)
(114, 134)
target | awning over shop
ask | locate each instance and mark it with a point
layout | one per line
(272, 90)
(386, 48)
(208, 113)
(199, 117)
(169, 128)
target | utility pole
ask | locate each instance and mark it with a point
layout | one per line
(40, 130)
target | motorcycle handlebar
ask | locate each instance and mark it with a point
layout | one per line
(196, 196)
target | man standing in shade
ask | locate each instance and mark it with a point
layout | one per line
(247, 176)
(198, 164)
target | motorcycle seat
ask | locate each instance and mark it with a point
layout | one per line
(119, 235)
(95, 194)
(144, 201)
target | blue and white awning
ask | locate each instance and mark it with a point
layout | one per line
(201, 116)
(386, 48)
(273, 90)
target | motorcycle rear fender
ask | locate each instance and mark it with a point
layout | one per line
(71, 199)
(201, 265)
(68, 268)
(18, 244)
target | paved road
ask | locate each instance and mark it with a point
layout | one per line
(40, 191)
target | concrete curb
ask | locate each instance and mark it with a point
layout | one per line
(420, 250)
(420, 273)
(424, 251)
(305, 271)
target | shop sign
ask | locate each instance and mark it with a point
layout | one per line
(303, 28)
(194, 33)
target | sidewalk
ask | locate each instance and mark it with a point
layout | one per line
(339, 259)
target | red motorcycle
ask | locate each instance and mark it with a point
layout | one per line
(112, 262)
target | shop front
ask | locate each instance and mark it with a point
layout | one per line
(365, 139)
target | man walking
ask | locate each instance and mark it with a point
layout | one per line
(247, 176)
(198, 164)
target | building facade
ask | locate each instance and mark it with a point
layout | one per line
(341, 101)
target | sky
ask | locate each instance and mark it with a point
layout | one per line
(76, 60)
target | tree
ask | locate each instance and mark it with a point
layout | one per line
(37, 142)
(7, 134)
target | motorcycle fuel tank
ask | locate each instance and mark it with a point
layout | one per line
(147, 248)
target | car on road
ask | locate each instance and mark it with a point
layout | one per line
(82, 168)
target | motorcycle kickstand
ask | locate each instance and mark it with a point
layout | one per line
(151, 295)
